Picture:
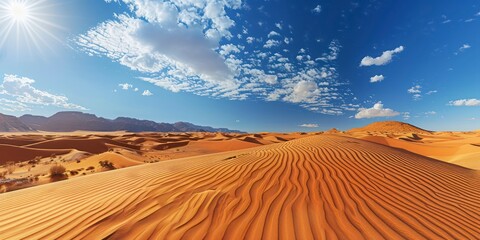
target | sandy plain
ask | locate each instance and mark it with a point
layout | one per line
(387, 182)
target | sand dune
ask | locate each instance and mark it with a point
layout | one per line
(18, 141)
(391, 127)
(319, 187)
(90, 145)
(456, 148)
(19, 154)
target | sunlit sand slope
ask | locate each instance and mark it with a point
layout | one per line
(320, 187)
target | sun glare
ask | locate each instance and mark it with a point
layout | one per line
(18, 11)
(27, 24)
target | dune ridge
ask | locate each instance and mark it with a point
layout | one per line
(319, 187)
(390, 126)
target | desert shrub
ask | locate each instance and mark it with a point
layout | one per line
(57, 170)
(73, 172)
(10, 167)
(3, 174)
(35, 161)
(106, 164)
(90, 168)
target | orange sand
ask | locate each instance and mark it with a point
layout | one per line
(317, 187)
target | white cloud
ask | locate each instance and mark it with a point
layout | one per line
(21, 89)
(13, 106)
(271, 43)
(416, 92)
(230, 48)
(271, 79)
(125, 86)
(334, 48)
(147, 93)
(303, 91)
(384, 59)
(376, 111)
(431, 92)
(273, 34)
(415, 89)
(465, 102)
(377, 78)
(159, 45)
(317, 9)
(309, 125)
(464, 47)
(175, 45)
(168, 83)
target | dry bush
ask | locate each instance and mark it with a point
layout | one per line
(57, 170)
(10, 167)
(35, 161)
(107, 165)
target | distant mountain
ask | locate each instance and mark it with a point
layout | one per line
(188, 127)
(33, 121)
(73, 121)
(135, 125)
(390, 127)
(12, 124)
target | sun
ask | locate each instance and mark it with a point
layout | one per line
(18, 11)
(27, 24)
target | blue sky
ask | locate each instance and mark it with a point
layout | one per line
(249, 65)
